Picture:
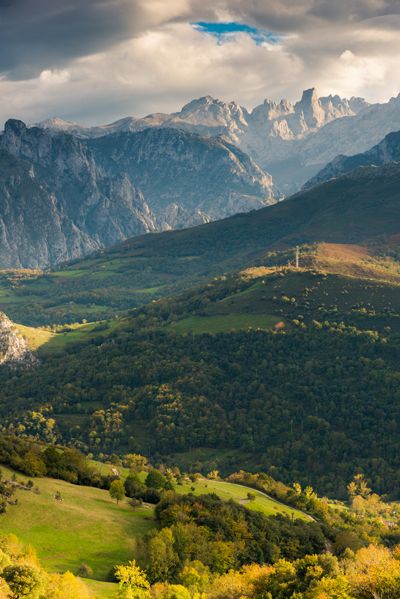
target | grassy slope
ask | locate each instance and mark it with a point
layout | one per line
(224, 323)
(334, 282)
(226, 491)
(352, 209)
(35, 337)
(87, 527)
(44, 341)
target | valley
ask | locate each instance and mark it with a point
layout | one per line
(357, 208)
(199, 378)
(199, 299)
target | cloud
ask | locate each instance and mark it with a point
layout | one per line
(297, 15)
(97, 60)
(160, 70)
(45, 34)
(226, 31)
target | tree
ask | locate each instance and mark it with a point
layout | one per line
(374, 573)
(117, 490)
(135, 462)
(173, 591)
(66, 586)
(331, 588)
(162, 558)
(23, 580)
(132, 582)
(195, 576)
(134, 486)
(156, 480)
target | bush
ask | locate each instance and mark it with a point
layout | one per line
(151, 496)
(135, 502)
(84, 571)
(156, 480)
(134, 487)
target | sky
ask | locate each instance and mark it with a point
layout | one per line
(94, 61)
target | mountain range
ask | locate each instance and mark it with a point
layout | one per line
(360, 207)
(68, 190)
(273, 133)
(62, 197)
(291, 141)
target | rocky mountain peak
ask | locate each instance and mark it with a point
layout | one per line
(309, 97)
(310, 106)
(14, 126)
(11, 139)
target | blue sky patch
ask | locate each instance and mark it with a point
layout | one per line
(224, 31)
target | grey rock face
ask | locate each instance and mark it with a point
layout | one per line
(207, 178)
(62, 196)
(352, 135)
(13, 347)
(55, 204)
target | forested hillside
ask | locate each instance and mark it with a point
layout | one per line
(267, 369)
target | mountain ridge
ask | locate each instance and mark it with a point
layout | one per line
(358, 208)
(83, 195)
(386, 151)
(272, 132)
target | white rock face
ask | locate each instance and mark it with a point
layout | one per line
(352, 135)
(13, 347)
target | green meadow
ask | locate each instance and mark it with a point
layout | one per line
(239, 493)
(87, 526)
(224, 323)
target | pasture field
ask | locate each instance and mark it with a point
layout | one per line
(223, 323)
(87, 526)
(226, 491)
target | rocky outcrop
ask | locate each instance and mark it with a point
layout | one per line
(14, 350)
(62, 196)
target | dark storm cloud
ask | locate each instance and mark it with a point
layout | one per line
(47, 34)
(298, 15)
(39, 34)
